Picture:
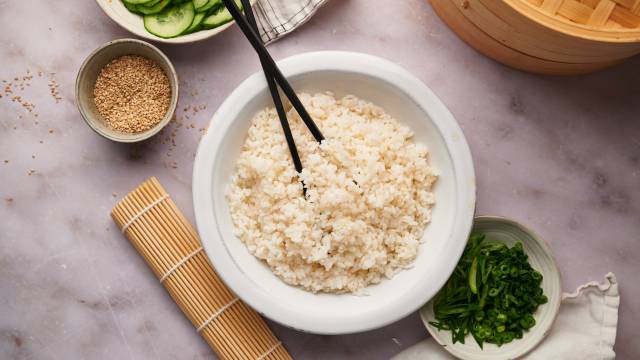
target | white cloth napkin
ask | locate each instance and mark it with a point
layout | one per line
(585, 328)
(277, 18)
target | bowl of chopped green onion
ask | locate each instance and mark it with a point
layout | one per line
(502, 297)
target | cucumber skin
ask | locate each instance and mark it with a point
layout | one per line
(227, 17)
(150, 3)
(137, 2)
(153, 9)
(185, 6)
(131, 7)
(211, 4)
(210, 22)
(199, 3)
(195, 26)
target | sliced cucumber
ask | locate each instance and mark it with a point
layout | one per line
(196, 24)
(172, 21)
(211, 4)
(148, 10)
(150, 3)
(136, 2)
(130, 7)
(199, 3)
(221, 17)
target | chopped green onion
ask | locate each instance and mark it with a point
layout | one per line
(473, 276)
(491, 295)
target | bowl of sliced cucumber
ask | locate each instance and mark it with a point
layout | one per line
(170, 21)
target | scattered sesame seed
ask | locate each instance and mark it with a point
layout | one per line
(53, 88)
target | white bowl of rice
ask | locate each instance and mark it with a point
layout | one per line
(389, 203)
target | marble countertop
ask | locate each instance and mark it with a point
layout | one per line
(559, 154)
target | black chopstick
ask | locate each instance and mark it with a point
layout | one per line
(257, 44)
(277, 101)
(275, 94)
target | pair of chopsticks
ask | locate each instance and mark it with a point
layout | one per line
(274, 78)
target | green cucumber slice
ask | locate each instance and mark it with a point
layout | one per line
(130, 7)
(221, 17)
(150, 3)
(211, 4)
(199, 3)
(136, 2)
(172, 21)
(195, 25)
(148, 10)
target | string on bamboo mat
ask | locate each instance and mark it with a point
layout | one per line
(168, 243)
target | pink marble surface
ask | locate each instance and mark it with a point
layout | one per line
(559, 154)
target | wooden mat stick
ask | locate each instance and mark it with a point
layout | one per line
(168, 243)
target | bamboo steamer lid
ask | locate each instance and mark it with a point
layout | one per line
(602, 20)
(523, 33)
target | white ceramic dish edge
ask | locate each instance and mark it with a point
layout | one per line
(366, 65)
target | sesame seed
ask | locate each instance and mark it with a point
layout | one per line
(132, 93)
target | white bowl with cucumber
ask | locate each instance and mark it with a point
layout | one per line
(170, 21)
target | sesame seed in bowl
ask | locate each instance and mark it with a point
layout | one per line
(132, 93)
(127, 90)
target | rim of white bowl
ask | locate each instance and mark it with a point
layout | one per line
(359, 63)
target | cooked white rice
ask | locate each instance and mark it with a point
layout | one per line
(368, 202)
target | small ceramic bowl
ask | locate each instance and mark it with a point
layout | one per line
(90, 70)
(541, 259)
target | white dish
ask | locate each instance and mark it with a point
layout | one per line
(541, 259)
(133, 23)
(405, 98)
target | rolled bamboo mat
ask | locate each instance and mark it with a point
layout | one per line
(164, 238)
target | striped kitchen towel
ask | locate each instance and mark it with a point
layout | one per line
(277, 18)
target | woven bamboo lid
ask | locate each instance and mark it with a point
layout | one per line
(602, 20)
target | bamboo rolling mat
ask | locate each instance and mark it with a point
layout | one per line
(170, 246)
